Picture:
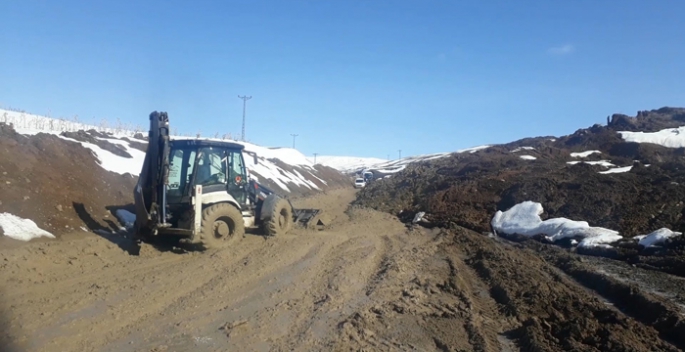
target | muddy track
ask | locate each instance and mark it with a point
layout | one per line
(366, 283)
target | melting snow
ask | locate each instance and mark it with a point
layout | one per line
(657, 237)
(617, 170)
(669, 138)
(522, 148)
(21, 229)
(527, 157)
(585, 154)
(524, 219)
(29, 124)
(473, 149)
(605, 163)
(115, 163)
(393, 171)
(355, 164)
(347, 162)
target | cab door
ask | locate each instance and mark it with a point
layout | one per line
(237, 176)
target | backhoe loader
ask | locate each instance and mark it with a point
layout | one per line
(200, 191)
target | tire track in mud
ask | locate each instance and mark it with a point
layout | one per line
(482, 327)
(134, 288)
(339, 289)
(548, 311)
(230, 292)
(422, 299)
(281, 287)
(629, 298)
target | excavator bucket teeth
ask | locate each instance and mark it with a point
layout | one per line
(309, 218)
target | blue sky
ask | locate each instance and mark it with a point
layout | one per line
(350, 77)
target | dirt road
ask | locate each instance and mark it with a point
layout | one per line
(367, 283)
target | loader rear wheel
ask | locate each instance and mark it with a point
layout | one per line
(221, 224)
(280, 220)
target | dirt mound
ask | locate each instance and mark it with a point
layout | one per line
(467, 189)
(57, 183)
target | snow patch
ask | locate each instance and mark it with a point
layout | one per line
(31, 124)
(21, 229)
(524, 219)
(527, 157)
(585, 154)
(112, 162)
(522, 148)
(347, 162)
(604, 163)
(657, 237)
(473, 149)
(392, 171)
(617, 170)
(669, 138)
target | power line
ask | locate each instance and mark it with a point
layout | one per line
(294, 135)
(245, 99)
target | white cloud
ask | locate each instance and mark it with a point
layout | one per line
(561, 50)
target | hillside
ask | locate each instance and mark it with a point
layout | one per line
(381, 167)
(623, 180)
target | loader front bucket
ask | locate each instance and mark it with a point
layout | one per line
(310, 218)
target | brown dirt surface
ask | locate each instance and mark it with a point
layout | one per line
(368, 283)
(467, 189)
(57, 183)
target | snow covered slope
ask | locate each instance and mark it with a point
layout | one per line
(382, 167)
(23, 121)
(346, 163)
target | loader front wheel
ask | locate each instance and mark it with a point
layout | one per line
(222, 224)
(280, 220)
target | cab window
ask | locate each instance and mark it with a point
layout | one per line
(236, 166)
(211, 167)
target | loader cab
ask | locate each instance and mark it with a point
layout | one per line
(218, 167)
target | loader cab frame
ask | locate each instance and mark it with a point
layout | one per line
(219, 167)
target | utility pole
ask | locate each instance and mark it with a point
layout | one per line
(245, 99)
(315, 154)
(400, 153)
(294, 135)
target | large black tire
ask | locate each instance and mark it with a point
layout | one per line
(280, 221)
(221, 224)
